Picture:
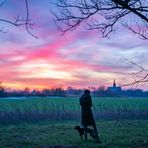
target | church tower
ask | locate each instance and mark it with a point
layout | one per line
(115, 90)
(114, 84)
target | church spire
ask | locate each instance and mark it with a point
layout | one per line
(114, 84)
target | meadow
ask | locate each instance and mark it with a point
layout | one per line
(113, 134)
(49, 122)
(53, 109)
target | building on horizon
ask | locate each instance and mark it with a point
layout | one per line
(115, 90)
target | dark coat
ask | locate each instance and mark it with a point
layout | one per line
(87, 118)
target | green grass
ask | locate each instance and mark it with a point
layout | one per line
(114, 134)
(40, 103)
(73, 103)
(34, 131)
(15, 111)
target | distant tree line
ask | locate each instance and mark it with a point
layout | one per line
(2, 90)
(70, 91)
(28, 93)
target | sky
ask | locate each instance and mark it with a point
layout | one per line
(80, 58)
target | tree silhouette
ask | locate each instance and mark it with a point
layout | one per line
(2, 90)
(18, 20)
(103, 15)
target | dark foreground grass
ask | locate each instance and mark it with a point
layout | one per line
(114, 134)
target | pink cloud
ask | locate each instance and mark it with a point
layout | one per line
(81, 54)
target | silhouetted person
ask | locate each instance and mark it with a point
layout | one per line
(87, 118)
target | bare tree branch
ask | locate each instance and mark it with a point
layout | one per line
(139, 77)
(142, 32)
(19, 21)
(103, 15)
(28, 25)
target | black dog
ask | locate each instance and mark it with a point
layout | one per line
(81, 131)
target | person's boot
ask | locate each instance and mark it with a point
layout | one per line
(97, 139)
(85, 134)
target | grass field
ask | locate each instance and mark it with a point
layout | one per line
(38, 109)
(114, 134)
(72, 103)
(49, 122)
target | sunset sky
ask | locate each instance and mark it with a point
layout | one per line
(80, 58)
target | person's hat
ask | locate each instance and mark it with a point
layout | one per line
(86, 91)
